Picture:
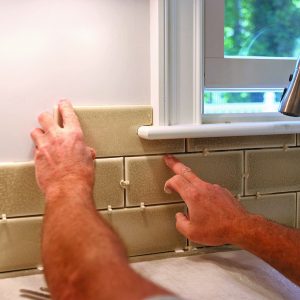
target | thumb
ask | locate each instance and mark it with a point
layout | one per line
(182, 223)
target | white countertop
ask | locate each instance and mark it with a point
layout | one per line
(221, 275)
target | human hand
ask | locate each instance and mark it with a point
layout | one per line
(62, 159)
(213, 212)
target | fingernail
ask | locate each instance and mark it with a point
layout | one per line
(167, 190)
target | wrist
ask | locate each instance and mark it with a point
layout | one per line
(244, 229)
(70, 187)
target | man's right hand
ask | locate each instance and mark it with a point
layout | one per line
(213, 212)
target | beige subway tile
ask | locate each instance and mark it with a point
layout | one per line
(20, 243)
(240, 142)
(148, 231)
(107, 189)
(112, 131)
(148, 174)
(19, 193)
(223, 168)
(271, 171)
(280, 208)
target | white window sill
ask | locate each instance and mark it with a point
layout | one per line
(218, 130)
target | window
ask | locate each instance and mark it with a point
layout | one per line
(250, 50)
(190, 65)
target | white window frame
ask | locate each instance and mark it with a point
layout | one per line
(187, 55)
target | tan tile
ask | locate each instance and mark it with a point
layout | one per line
(147, 175)
(271, 171)
(223, 168)
(112, 131)
(240, 142)
(298, 139)
(107, 189)
(20, 244)
(280, 208)
(19, 193)
(147, 231)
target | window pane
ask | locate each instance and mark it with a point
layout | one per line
(218, 102)
(262, 28)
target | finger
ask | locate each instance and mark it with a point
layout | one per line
(182, 186)
(179, 168)
(69, 117)
(182, 223)
(47, 122)
(37, 135)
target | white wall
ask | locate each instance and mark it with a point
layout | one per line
(95, 52)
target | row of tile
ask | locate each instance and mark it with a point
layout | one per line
(112, 131)
(147, 231)
(266, 172)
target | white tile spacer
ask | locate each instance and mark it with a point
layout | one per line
(179, 251)
(285, 148)
(109, 209)
(3, 218)
(40, 268)
(205, 152)
(142, 206)
(258, 195)
(246, 175)
(124, 183)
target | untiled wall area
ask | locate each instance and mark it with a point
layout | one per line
(262, 171)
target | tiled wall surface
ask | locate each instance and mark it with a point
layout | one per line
(263, 171)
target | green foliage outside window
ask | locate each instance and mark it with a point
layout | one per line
(258, 28)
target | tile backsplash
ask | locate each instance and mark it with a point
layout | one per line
(130, 174)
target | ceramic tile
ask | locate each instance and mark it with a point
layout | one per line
(147, 231)
(272, 171)
(112, 131)
(19, 193)
(280, 208)
(20, 243)
(147, 175)
(107, 189)
(223, 168)
(298, 139)
(240, 142)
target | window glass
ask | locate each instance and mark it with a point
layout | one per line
(262, 28)
(222, 102)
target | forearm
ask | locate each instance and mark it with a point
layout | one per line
(276, 244)
(82, 255)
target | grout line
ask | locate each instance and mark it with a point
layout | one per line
(146, 206)
(196, 152)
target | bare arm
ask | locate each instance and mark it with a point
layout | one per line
(83, 257)
(216, 218)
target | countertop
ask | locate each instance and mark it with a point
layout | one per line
(221, 275)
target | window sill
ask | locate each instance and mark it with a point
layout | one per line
(218, 130)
